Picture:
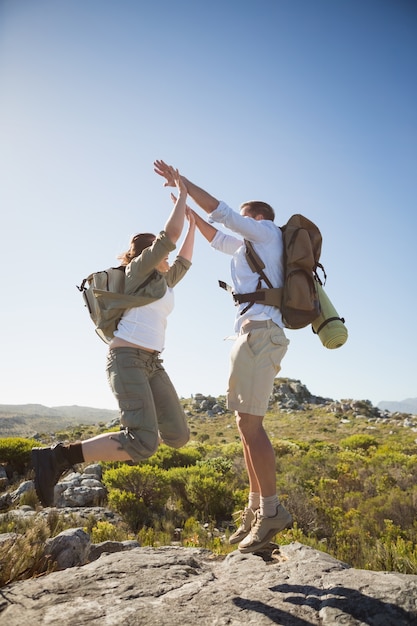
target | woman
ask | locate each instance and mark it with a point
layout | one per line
(150, 410)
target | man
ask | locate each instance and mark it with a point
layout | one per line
(257, 352)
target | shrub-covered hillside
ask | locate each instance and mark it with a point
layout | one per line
(345, 470)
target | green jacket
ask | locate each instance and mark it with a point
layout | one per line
(139, 271)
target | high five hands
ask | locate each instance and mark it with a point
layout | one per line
(166, 171)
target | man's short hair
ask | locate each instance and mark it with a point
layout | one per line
(257, 207)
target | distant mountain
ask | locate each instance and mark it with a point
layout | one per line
(24, 420)
(405, 406)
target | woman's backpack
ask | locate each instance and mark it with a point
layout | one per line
(112, 280)
(104, 296)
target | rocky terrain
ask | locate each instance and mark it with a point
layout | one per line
(114, 583)
(168, 586)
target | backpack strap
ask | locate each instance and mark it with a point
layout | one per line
(148, 280)
(89, 278)
(256, 264)
(316, 276)
(261, 294)
(330, 319)
(225, 286)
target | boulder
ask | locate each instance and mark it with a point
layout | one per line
(69, 548)
(174, 586)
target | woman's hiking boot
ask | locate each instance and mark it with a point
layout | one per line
(49, 465)
(248, 516)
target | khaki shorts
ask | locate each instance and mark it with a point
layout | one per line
(255, 361)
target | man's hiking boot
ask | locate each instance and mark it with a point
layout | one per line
(264, 528)
(49, 465)
(248, 516)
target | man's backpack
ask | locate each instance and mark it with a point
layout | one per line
(113, 280)
(298, 299)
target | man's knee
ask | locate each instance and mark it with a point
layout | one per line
(248, 425)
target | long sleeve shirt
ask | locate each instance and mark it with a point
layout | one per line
(266, 238)
(138, 291)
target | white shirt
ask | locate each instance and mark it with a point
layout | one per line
(266, 238)
(145, 325)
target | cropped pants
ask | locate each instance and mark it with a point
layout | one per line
(150, 409)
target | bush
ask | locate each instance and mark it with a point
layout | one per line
(137, 492)
(359, 442)
(166, 457)
(202, 490)
(105, 531)
(132, 510)
(210, 495)
(146, 483)
(219, 464)
(15, 453)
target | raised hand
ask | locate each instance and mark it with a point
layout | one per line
(190, 215)
(166, 171)
(179, 183)
(174, 198)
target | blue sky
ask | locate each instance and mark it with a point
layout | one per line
(309, 105)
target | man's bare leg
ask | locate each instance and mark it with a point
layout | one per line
(258, 454)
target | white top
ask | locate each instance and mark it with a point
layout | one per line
(266, 238)
(145, 325)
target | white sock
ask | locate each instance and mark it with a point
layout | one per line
(269, 506)
(254, 500)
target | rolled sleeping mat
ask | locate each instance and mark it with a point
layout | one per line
(329, 326)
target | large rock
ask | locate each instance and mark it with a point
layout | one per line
(175, 586)
(69, 548)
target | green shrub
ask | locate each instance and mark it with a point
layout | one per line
(166, 457)
(153, 537)
(202, 490)
(146, 483)
(284, 447)
(177, 479)
(132, 510)
(137, 492)
(231, 450)
(105, 531)
(210, 496)
(15, 452)
(359, 442)
(220, 465)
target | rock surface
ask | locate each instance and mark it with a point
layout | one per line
(170, 586)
